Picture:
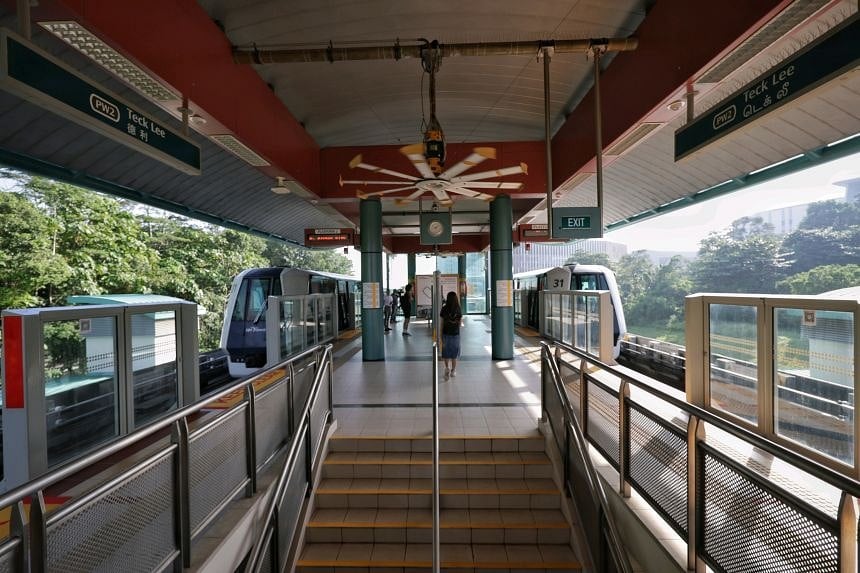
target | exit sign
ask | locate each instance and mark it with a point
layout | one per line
(576, 223)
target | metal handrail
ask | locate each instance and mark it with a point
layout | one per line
(270, 519)
(619, 554)
(813, 468)
(42, 482)
(435, 502)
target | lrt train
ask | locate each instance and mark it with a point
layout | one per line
(243, 334)
(568, 277)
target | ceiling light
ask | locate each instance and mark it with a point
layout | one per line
(280, 187)
(239, 149)
(676, 105)
(93, 47)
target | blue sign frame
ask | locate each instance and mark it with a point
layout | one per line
(36, 76)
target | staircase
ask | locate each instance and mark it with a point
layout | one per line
(500, 508)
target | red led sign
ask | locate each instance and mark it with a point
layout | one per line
(329, 238)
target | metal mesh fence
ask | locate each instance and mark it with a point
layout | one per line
(8, 554)
(272, 421)
(603, 421)
(658, 465)
(745, 524)
(128, 528)
(294, 497)
(217, 465)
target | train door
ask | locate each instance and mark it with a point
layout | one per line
(597, 281)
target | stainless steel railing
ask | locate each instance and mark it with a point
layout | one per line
(437, 563)
(146, 516)
(270, 551)
(549, 369)
(713, 481)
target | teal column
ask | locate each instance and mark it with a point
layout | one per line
(410, 276)
(372, 347)
(501, 275)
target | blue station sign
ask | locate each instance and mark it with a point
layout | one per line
(36, 76)
(827, 57)
(576, 223)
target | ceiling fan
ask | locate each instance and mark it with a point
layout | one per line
(429, 160)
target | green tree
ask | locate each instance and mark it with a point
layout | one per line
(584, 258)
(28, 260)
(745, 258)
(279, 254)
(821, 279)
(635, 275)
(829, 234)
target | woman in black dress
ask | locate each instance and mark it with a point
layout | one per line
(451, 318)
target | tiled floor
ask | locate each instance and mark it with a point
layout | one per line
(393, 397)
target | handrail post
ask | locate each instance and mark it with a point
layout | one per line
(436, 549)
(847, 518)
(624, 439)
(695, 513)
(38, 534)
(182, 501)
(18, 528)
(251, 439)
(583, 398)
(291, 399)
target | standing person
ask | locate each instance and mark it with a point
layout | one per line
(406, 305)
(451, 318)
(395, 301)
(388, 306)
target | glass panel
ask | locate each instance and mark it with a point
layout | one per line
(476, 283)
(80, 374)
(567, 319)
(814, 370)
(593, 328)
(155, 376)
(291, 334)
(580, 321)
(733, 351)
(310, 322)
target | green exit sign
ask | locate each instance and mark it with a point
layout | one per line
(576, 223)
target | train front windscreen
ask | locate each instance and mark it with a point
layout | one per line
(246, 339)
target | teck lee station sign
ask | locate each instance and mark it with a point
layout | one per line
(38, 77)
(827, 57)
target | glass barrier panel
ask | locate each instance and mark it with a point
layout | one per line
(733, 352)
(567, 319)
(814, 379)
(327, 327)
(155, 376)
(291, 328)
(553, 317)
(80, 374)
(518, 307)
(580, 320)
(593, 328)
(310, 322)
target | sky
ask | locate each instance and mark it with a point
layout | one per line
(682, 230)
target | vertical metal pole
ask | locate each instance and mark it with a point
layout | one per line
(436, 296)
(17, 528)
(24, 18)
(694, 531)
(690, 103)
(598, 133)
(436, 536)
(291, 399)
(546, 53)
(179, 436)
(251, 440)
(624, 441)
(38, 535)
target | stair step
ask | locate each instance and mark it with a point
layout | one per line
(453, 556)
(462, 465)
(451, 443)
(370, 525)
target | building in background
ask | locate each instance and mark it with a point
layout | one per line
(532, 256)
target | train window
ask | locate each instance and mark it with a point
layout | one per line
(251, 300)
(587, 282)
(321, 285)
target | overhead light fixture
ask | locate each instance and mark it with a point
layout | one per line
(280, 187)
(676, 105)
(94, 48)
(239, 149)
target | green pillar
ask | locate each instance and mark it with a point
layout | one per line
(372, 347)
(410, 274)
(501, 274)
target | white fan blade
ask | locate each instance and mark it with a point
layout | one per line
(415, 153)
(343, 182)
(478, 155)
(363, 195)
(495, 184)
(357, 162)
(471, 193)
(521, 168)
(441, 197)
(410, 198)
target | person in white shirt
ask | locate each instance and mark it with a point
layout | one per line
(388, 305)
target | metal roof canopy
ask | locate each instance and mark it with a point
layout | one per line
(369, 104)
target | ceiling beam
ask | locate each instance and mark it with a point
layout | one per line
(177, 42)
(673, 48)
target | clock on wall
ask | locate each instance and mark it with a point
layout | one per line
(436, 228)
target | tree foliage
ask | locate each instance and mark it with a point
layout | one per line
(821, 279)
(829, 234)
(585, 258)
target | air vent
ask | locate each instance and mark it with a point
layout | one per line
(778, 27)
(239, 149)
(91, 46)
(635, 136)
